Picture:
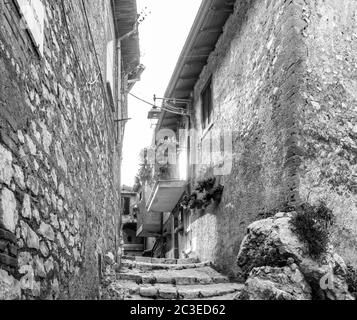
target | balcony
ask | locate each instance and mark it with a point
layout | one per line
(149, 225)
(165, 195)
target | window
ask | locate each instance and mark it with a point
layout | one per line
(207, 105)
(126, 206)
(33, 14)
(110, 74)
(110, 63)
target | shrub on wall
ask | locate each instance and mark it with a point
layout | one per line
(312, 225)
(205, 195)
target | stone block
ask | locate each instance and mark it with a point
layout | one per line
(47, 232)
(6, 235)
(3, 245)
(9, 287)
(8, 212)
(147, 279)
(185, 280)
(6, 171)
(168, 293)
(31, 238)
(188, 293)
(13, 249)
(39, 267)
(164, 279)
(19, 177)
(150, 292)
(26, 207)
(7, 260)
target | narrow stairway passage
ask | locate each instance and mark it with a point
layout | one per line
(143, 278)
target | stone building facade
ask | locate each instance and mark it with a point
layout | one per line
(280, 77)
(60, 142)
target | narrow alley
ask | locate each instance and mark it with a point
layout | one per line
(178, 150)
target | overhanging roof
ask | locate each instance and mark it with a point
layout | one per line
(201, 42)
(126, 15)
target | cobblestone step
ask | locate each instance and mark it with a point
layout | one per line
(145, 266)
(202, 275)
(160, 261)
(189, 292)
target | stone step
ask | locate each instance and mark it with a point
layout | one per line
(190, 292)
(160, 260)
(202, 275)
(228, 297)
(144, 266)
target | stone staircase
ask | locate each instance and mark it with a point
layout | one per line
(170, 279)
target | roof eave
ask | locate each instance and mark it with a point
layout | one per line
(200, 24)
(126, 16)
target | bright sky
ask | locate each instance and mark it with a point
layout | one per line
(162, 37)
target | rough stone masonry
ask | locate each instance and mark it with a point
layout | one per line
(58, 155)
(284, 82)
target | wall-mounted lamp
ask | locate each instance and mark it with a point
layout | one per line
(172, 100)
(169, 105)
(154, 113)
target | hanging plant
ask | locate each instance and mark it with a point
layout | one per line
(205, 185)
(205, 195)
(217, 194)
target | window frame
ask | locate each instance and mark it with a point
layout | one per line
(207, 107)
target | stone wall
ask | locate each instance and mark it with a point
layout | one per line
(329, 116)
(283, 77)
(255, 70)
(59, 157)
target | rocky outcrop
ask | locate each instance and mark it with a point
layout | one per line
(277, 265)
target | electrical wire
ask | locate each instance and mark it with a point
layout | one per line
(142, 100)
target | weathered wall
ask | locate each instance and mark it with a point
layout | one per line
(58, 155)
(329, 116)
(255, 69)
